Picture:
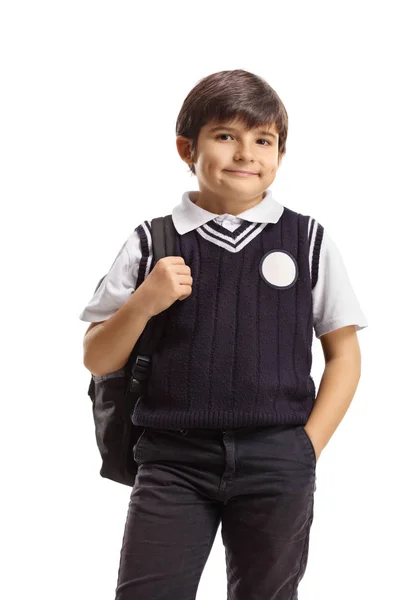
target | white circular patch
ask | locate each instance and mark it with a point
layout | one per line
(279, 269)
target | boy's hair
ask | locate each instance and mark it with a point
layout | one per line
(227, 95)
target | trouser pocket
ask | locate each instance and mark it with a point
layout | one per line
(138, 445)
(308, 445)
(309, 451)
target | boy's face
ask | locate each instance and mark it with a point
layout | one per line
(229, 148)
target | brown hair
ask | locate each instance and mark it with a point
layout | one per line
(226, 95)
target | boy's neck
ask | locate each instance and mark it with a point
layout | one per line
(222, 206)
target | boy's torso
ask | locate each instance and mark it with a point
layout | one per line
(237, 351)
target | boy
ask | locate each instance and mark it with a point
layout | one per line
(232, 425)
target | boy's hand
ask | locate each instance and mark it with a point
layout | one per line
(168, 281)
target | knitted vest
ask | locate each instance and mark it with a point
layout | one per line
(237, 351)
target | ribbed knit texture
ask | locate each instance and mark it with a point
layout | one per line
(237, 351)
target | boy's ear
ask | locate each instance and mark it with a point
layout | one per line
(183, 146)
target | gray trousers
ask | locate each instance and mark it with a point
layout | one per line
(258, 482)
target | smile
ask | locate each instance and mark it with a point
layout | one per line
(241, 173)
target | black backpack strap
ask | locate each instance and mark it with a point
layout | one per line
(163, 243)
(163, 237)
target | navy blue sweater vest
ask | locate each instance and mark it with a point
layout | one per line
(237, 351)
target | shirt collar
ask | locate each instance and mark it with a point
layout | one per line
(187, 216)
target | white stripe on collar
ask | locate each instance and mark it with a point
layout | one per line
(187, 216)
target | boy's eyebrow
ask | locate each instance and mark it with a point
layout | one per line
(217, 127)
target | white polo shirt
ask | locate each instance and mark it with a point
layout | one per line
(335, 304)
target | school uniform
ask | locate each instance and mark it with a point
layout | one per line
(229, 394)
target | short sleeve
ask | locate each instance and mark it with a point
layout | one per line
(335, 303)
(122, 279)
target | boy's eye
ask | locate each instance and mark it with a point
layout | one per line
(228, 134)
(222, 134)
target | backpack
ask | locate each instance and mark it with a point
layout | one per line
(115, 394)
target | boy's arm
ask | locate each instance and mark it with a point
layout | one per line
(338, 384)
(118, 309)
(108, 345)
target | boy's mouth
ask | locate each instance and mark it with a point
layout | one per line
(241, 173)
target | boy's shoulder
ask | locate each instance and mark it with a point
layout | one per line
(314, 226)
(143, 225)
(141, 237)
(146, 224)
(298, 214)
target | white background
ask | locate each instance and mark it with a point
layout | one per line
(89, 100)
